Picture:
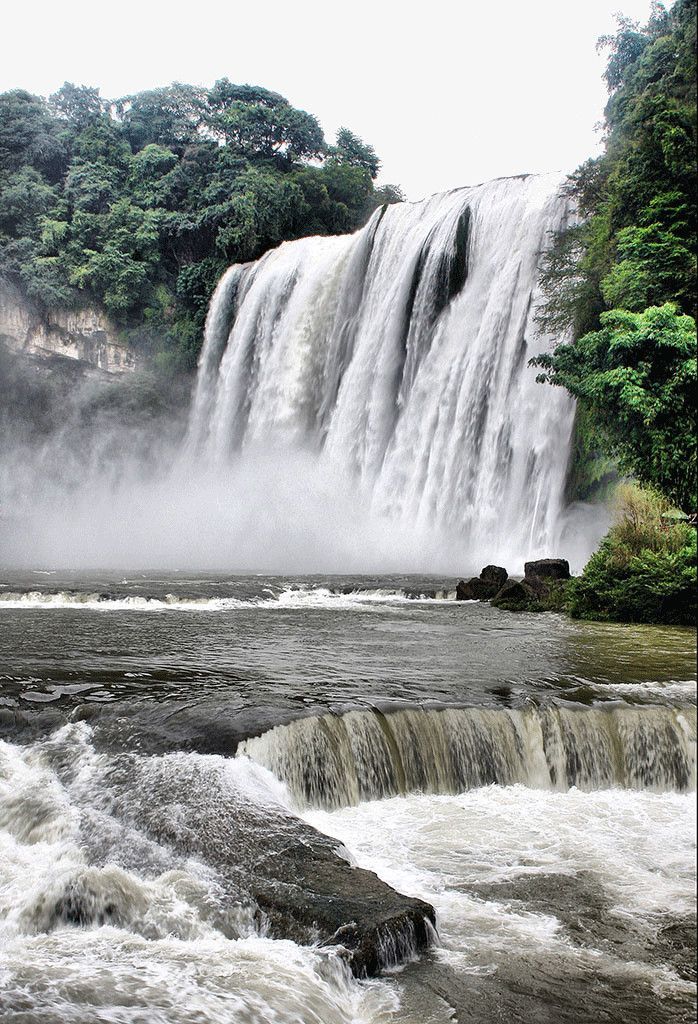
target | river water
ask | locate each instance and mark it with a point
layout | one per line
(530, 777)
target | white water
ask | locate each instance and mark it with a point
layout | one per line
(638, 847)
(398, 379)
(289, 598)
(160, 956)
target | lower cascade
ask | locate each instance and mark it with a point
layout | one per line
(331, 760)
(397, 359)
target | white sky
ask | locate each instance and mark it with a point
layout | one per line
(448, 93)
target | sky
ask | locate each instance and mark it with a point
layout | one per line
(449, 93)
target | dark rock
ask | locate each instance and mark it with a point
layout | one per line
(515, 593)
(475, 590)
(309, 890)
(540, 586)
(548, 568)
(482, 587)
(267, 858)
(420, 595)
(494, 574)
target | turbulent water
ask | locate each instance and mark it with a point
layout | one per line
(187, 760)
(397, 359)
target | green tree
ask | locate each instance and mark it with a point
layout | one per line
(636, 375)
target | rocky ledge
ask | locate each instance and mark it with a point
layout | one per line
(543, 587)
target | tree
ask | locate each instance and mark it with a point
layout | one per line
(349, 149)
(29, 136)
(138, 204)
(80, 105)
(636, 375)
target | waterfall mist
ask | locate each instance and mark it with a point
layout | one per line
(363, 403)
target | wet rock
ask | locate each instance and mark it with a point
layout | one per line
(420, 595)
(344, 906)
(265, 856)
(482, 587)
(494, 574)
(548, 568)
(515, 594)
(474, 589)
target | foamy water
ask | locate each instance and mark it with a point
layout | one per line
(638, 847)
(292, 597)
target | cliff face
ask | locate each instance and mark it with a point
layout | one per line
(84, 334)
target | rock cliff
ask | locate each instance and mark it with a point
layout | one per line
(84, 334)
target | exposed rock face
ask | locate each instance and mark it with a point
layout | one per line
(548, 568)
(84, 334)
(482, 587)
(267, 858)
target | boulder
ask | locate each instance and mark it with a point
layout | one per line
(515, 593)
(474, 590)
(494, 574)
(548, 568)
(482, 587)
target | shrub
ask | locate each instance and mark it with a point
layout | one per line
(645, 568)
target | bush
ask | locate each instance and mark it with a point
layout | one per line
(645, 569)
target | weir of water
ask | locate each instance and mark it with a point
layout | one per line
(334, 760)
(397, 359)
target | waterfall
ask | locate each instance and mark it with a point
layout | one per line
(397, 359)
(335, 760)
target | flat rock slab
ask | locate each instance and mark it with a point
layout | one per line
(265, 857)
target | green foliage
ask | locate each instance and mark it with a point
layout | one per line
(623, 280)
(645, 569)
(636, 377)
(139, 204)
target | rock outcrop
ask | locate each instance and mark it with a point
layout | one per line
(86, 334)
(482, 587)
(548, 569)
(543, 587)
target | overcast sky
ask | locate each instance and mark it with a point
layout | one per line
(448, 93)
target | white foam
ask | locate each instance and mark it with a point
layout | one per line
(159, 957)
(289, 598)
(639, 846)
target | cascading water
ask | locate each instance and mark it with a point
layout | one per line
(338, 760)
(397, 358)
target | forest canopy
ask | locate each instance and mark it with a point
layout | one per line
(140, 203)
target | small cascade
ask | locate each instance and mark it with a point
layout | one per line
(397, 359)
(334, 760)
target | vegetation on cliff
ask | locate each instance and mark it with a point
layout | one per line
(141, 203)
(622, 282)
(624, 279)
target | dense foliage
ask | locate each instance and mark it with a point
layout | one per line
(141, 203)
(638, 375)
(623, 281)
(645, 568)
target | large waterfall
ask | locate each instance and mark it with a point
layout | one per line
(396, 359)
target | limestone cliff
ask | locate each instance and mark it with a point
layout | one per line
(85, 334)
